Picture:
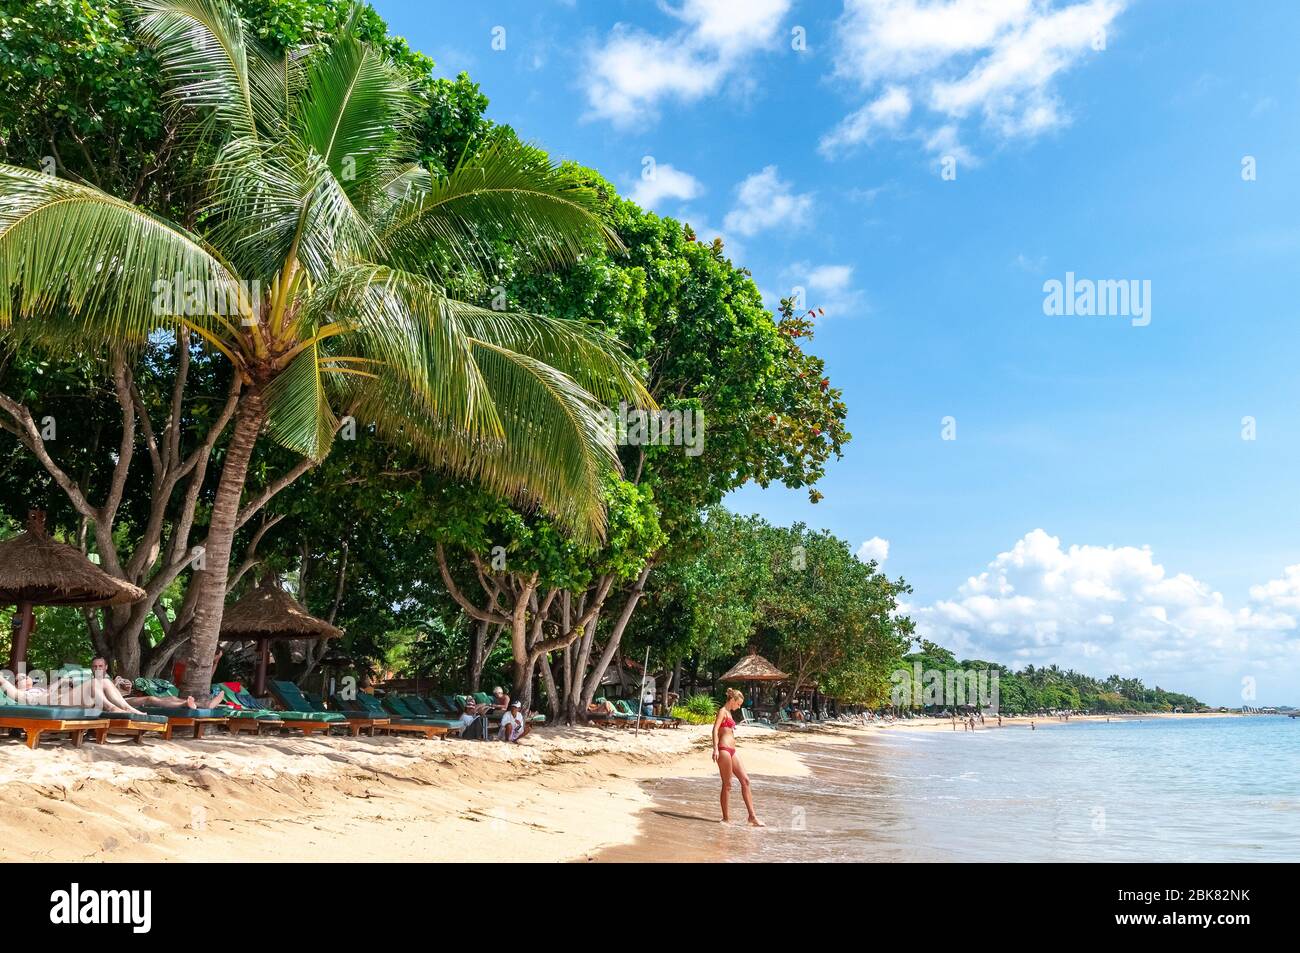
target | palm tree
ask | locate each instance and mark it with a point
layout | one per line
(316, 264)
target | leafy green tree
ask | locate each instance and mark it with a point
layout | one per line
(328, 250)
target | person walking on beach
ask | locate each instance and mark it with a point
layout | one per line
(725, 757)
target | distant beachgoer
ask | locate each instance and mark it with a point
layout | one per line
(602, 706)
(1031, 726)
(972, 722)
(512, 724)
(500, 700)
(725, 757)
(999, 721)
(473, 726)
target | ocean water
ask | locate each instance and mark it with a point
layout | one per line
(1159, 789)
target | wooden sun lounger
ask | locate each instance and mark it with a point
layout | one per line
(199, 725)
(33, 728)
(360, 725)
(255, 725)
(137, 729)
(406, 728)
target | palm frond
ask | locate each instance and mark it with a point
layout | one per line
(402, 321)
(71, 248)
(503, 191)
(556, 444)
(271, 203)
(354, 109)
(590, 356)
(299, 417)
(234, 87)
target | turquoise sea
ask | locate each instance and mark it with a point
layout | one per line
(1159, 789)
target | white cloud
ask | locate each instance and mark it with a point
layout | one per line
(633, 71)
(828, 287)
(666, 182)
(955, 59)
(1112, 609)
(876, 549)
(764, 200)
(884, 114)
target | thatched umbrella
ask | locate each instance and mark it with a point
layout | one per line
(754, 668)
(267, 614)
(37, 571)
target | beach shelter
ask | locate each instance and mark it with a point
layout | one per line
(267, 614)
(38, 571)
(754, 668)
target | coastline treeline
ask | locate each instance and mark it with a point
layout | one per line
(1050, 688)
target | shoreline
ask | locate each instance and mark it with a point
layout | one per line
(565, 794)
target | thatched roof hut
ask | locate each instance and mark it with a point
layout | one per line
(754, 668)
(38, 571)
(43, 572)
(267, 614)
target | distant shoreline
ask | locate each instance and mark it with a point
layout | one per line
(1043, 721)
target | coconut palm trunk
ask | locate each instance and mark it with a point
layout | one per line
(213, 579)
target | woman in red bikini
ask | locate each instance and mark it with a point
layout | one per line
(724, 755)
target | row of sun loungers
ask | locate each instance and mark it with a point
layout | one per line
(626, 716)
(433, 716)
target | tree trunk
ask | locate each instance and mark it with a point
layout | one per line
(477, 654)
(210, 605)
(615, 638)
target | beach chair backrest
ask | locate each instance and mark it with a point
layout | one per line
(317, 702)
(371, 704)
(435, 705)
(291, 696)
(623, 706)
(483, 698)
(419, 706)
(248, 701)
(398, 706)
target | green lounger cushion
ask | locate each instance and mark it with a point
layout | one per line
(50, 712)
(152, 719)
(250, 704)
(398, 707)
(190, 712)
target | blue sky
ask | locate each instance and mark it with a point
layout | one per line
(1099, 506)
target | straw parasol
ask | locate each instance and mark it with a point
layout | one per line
(754, 668)
(268, 614)
(37, 571)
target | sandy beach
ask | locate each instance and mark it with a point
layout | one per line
(563, 795)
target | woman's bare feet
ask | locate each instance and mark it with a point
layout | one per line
(189, 702)
(755, 822)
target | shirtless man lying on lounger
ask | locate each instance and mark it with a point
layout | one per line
(164, 701)
(97, 692)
